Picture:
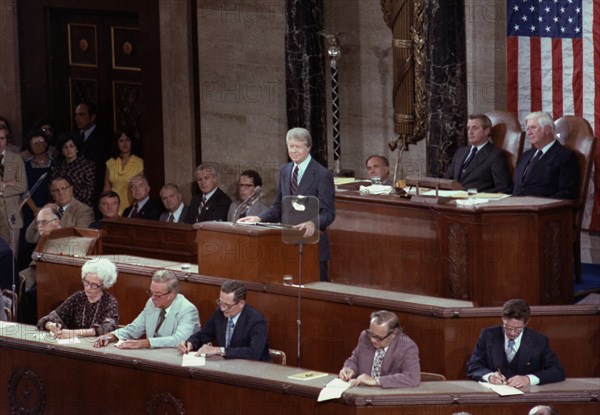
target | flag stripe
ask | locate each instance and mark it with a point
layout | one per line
(577, 76)
(535, 65)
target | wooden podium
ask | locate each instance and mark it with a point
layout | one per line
(252, 253)
(71, 242)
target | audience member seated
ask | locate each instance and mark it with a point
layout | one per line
(70, 210)
(74, 165)
(38, 164)
(47, 132)
(142, 207)
(48, 219)
(543, 410)
(212, 203)
(548, 169)
(304, 176)
(237, 329)
(13, 182)
(171, 197)
(124, 165)
(247, 183)
(91, 311)
(514, 354)
(167, 319)
(480, 165)
(109, 207)
(378, 168)
(384, 356)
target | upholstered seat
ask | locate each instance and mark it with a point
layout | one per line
(278, 357)
(507, 135)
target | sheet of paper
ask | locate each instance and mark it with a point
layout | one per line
(191, 360)
(70, 340)
(6, 324)
(333, 390)
(308, 375)
(502, 390)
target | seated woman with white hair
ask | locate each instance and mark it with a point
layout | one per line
(91, 311)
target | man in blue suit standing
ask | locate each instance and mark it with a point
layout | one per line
(304, 176)
(513, 353)
(548, 169)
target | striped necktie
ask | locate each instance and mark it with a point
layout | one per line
(294, 181)
(229, 332)
(510, 350)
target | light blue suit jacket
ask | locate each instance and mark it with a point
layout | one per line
(180, 323)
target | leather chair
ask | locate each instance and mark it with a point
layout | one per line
(507, 135)
(576, 134)
(278, 357)
(10, 309)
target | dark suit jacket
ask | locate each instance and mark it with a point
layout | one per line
(555, 175)
(182, 218)
(249, 339)
(216, 208)
(400, 367)
(317, 181)
(487, 172)
(148, 211)
(97, 148)
(534, 357)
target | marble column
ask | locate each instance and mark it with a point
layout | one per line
(305, 76)
(445, 82)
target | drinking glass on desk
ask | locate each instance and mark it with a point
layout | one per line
(472, 193)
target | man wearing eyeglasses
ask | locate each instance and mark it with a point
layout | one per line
(248, 182)
(514, 354)
(384, 356)
(239, 330)
(70, 210)
(165, 321)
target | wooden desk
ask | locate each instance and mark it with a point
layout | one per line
(333, 315)
(510, 248)
(44, 377)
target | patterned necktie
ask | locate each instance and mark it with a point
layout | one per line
(377, 361)
(134, 212)
(61, 211)
(1, 167)
(468, 160)
(510, 350)
(171, 218)
(229, 332)
(161, 318)
(294, 182)
(532, 162)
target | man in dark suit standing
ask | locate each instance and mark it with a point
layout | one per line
(548, 169)
(142, 207)
(213, 203)
(171, 197)
(480, 165)
(514, 354)
(96, 143)
(304, 176)
(239, 331)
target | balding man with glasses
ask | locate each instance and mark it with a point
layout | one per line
(165, 321)
(513, 354)
(384, 356)
(239, 330)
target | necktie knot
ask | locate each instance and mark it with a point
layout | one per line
(171, 217)
(161, 319)
(61, 211)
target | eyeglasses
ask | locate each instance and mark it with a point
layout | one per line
(44, 222)
(60, 189)
(92, 285)
(379, 338)
(155, 295)
(513, 329)
(246, 186)
(224, 306)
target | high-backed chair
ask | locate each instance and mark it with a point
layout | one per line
(576, 134)
(507, 135)
(278, 357)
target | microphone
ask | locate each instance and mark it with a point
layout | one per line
(247, 203)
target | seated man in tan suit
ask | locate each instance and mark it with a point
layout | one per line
(70, 210)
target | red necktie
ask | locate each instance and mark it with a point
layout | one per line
(134, 212)
(294, 182)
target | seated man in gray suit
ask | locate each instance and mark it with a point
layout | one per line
(384, 356)
(480, 165)
(70, 210)
(167, 319)
(171, 197)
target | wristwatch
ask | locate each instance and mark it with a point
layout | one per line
(377, 382)
(223, 351)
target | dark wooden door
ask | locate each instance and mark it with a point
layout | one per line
(103, 51)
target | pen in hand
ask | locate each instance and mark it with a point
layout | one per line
(500, 376)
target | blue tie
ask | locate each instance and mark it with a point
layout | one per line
(229, 332)
(510, 350)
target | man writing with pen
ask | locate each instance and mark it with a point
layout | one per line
(237, 329)
(513, 354)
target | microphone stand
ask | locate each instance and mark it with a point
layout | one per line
(13, 222)
(299, 318)
(246, 203)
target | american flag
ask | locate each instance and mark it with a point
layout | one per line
(553, 59)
